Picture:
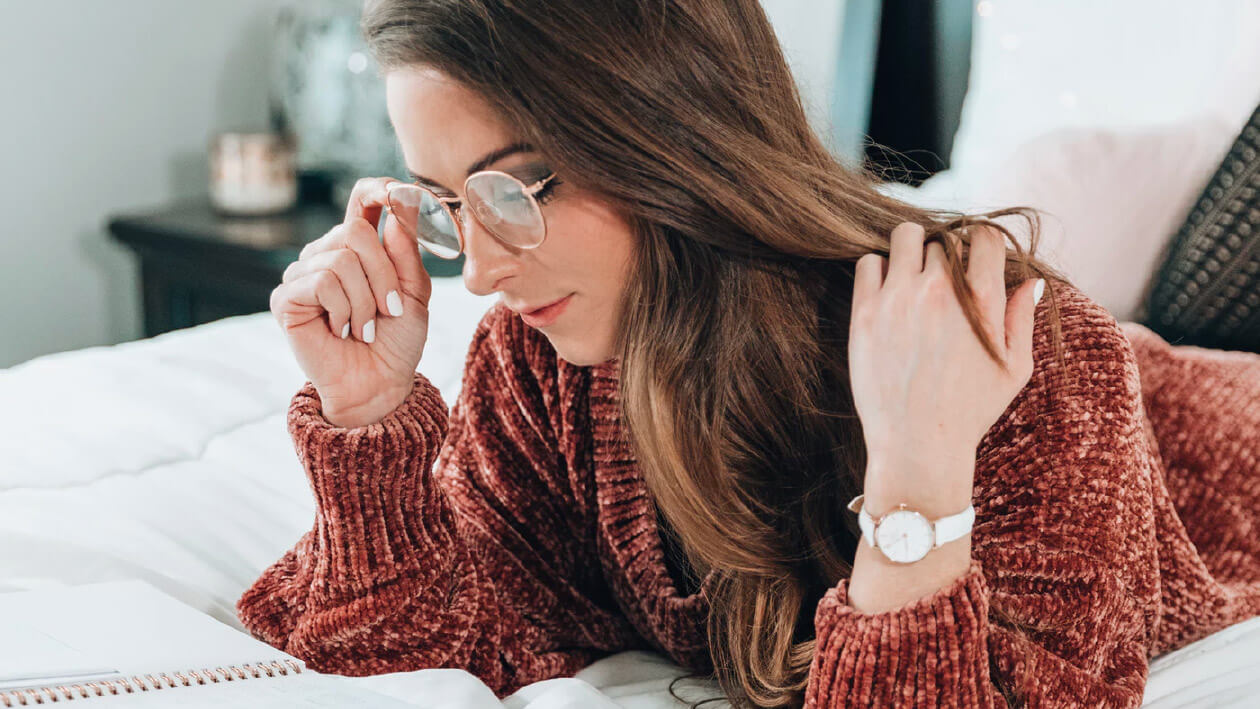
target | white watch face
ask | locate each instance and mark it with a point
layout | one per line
(904, 536)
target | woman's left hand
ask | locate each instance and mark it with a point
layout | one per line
(925, 388)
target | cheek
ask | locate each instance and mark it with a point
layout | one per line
(596, 244)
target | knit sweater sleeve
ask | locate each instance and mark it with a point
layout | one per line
(1061, 596)
(441, 541)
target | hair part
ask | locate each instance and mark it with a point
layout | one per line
(734, 326)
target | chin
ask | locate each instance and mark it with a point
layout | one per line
(581, 355)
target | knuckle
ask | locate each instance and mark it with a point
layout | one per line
(934, 288)
(360, 235)
(326, 280)
(345, 260)
(321, 244)
(336, 235)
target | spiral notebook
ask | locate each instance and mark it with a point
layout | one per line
(127, 644)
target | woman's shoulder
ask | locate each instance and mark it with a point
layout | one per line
(1074, 436)
(1093, 387)
(1096, 352)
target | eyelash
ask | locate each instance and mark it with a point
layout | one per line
(545, 194)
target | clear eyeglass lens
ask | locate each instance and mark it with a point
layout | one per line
(501, 204)
(420, 213)
(497, 200)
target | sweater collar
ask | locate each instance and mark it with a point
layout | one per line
(628, 526)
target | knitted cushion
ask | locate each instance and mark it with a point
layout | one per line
(1207, 290)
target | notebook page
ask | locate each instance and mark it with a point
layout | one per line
(28, 654)
(121, 628)
(128, 626)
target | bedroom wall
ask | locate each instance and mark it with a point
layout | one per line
(108, 107)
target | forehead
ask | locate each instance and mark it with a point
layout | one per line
(441, 125)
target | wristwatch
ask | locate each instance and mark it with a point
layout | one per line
(904, 535)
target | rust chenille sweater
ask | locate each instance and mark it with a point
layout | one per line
(1116, 519)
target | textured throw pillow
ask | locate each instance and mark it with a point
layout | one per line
(1207, 290)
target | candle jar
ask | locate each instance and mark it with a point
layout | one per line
(253, 173)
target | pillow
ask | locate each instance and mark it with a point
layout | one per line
(1121, 64)
(1207, 290)
(1109, 199)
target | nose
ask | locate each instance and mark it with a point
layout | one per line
(487, 260)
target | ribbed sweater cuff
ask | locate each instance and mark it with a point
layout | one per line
(933, 647)
(378, 511)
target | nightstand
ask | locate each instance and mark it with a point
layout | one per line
(198, 265)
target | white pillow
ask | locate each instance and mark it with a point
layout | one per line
(1037, 66)
(1110, 199)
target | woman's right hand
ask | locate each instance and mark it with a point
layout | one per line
(345, 278)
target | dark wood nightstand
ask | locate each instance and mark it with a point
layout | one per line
(197, 265)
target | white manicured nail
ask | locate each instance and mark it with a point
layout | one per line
(1038, 289)
(394, 302)
(369, 331)
(345, 331)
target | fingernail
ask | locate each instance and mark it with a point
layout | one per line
(1038, 289)
(394, 302)
(369, 331)
(345, 331)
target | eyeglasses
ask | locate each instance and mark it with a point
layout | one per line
(502, 203)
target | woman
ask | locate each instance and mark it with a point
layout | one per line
(746, 336)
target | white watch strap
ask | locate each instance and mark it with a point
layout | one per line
(947, 528)
(954, 526)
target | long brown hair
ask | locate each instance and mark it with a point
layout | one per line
(735, 387)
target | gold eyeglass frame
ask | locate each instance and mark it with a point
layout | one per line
(528, 190)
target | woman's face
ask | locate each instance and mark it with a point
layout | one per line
(444, 130)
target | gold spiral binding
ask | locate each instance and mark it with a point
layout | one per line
(29, 696)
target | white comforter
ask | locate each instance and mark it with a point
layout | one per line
(167, 459)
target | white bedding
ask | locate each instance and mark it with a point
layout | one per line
(168, 459)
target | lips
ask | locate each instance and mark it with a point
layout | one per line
(541, 307)
(546, 315)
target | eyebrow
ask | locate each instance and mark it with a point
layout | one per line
(481, 164)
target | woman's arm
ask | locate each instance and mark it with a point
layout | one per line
(1057, 604)
(478, 563)
(879, 584)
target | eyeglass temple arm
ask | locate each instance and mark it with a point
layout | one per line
(531, 189)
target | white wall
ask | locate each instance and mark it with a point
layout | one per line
(809, 32)
(108, 107)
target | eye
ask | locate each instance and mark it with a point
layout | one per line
(434, 211)
(450, 202)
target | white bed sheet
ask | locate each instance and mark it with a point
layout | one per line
(168, 459)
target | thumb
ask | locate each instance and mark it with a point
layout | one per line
(404, 251)
(1020, 313)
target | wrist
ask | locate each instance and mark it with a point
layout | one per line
(877, 584)
(936, 488)
(368, 412)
